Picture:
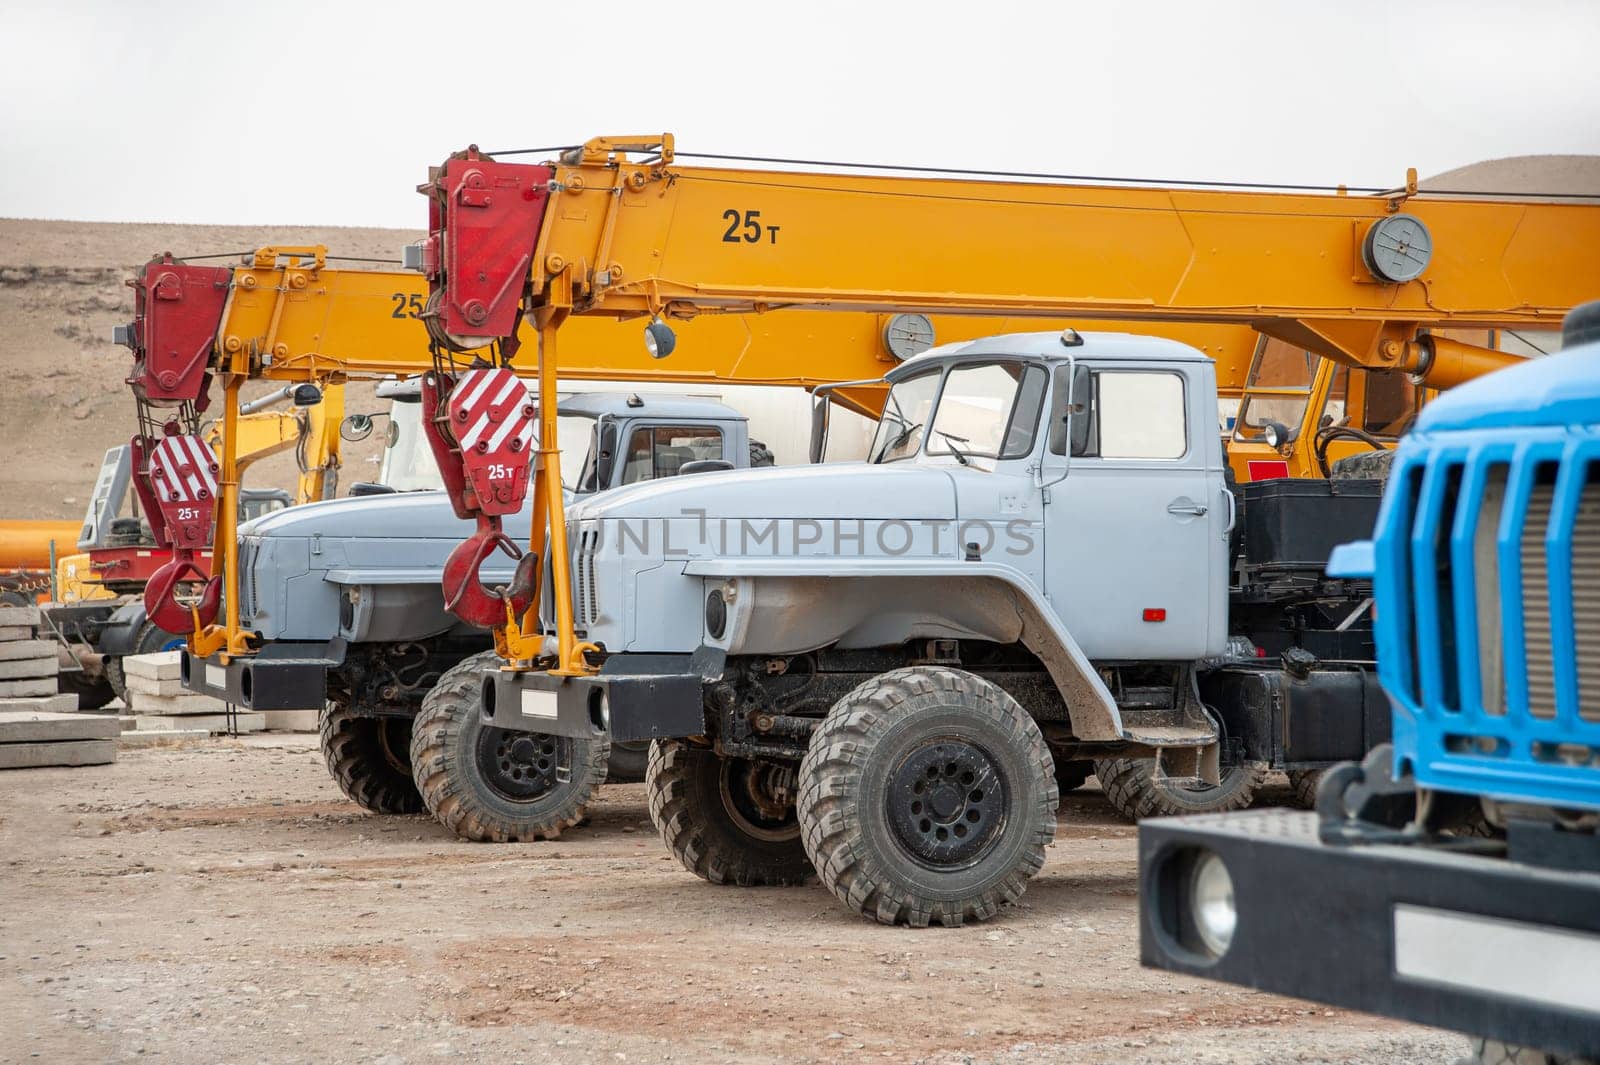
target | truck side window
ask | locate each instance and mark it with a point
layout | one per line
(1120, 414)
(1140, 415)
(661, 451)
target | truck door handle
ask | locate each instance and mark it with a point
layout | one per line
(1196, 509)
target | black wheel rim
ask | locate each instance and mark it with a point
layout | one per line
(947, 802)
(521, 766)
(758, 799)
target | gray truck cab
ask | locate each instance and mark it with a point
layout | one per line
(1030, 564)
(345, 594)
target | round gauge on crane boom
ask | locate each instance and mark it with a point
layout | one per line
(1397, 248)
(908, 334)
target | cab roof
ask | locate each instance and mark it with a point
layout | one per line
(594, 404)
(649, 404)
(1096, 346)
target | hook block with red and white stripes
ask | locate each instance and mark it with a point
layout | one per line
(491, 417)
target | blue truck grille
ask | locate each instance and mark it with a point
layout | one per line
(1488, 590)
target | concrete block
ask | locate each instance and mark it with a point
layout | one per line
(151, 686)
(60, 703)
(23, 726)
(30, 667)
(78, 752)
(15, 632)
(156, 737)
(163, 665)
(14, 649)
(249, 721)
(290, 720)
(10, 689)
(19, 616)
(186, 703)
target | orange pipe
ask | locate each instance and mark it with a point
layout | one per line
(25, 543)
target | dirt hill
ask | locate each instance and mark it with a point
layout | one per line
(64, 400)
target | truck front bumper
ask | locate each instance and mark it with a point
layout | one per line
(635, 697)
(1472, 943)
(281, 676)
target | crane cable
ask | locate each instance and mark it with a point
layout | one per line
(1075, 178)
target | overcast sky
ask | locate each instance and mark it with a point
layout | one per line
(329, 113)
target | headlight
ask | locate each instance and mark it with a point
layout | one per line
(1211, 903)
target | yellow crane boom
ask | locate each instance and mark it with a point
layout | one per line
(620, 229)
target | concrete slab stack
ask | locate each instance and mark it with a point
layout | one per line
(158, 702)
(34, 738)
(38, 725)
(28, 666)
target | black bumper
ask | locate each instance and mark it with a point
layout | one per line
(281, 676)
(1383, 928)
(636, 697)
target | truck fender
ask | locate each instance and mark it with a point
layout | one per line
(788, 606)
(116, 638)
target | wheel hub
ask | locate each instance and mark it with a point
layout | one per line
(947, 802)
(759, 796)
(521, 766)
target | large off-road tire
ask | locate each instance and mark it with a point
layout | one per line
(728, 820)
(494, 785)
(1303, 786)
(369, 757)
(761, 455)
(927, 795)
(146, 641)
(628, 762)
(1367, 466)
(1130, 787)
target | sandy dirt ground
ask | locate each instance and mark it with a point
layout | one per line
(223, 903)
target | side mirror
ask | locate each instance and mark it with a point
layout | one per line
(356, 427)
(1080, 411)
(820, 411)
(605, 453)
(704, 466)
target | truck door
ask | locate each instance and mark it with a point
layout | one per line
(1134, 543)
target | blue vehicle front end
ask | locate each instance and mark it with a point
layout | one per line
(1453, 878)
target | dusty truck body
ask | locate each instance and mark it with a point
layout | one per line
(345, 594)
(1034, 569)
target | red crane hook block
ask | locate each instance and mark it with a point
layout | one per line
(162, 604)
(465, 594)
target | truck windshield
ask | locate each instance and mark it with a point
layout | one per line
(1278, 389)
(408, 464)
(986, 410)
(905, 416)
